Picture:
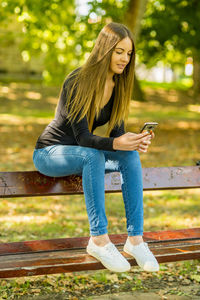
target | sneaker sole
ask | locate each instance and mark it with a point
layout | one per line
(104, 264)
(148, 270)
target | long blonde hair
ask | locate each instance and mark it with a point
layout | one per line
(89, 82)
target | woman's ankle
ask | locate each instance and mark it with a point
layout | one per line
(136, 239)
(101, 240)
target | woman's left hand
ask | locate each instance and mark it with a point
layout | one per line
(143, 147)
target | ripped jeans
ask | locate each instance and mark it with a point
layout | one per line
(64, 160)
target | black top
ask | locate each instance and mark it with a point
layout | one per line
(61, 131)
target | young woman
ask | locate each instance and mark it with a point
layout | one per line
(92, 95)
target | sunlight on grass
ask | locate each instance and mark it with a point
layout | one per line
(23, 220)
(185, 125)
(171, 209)
(19, 120)
(152, 112)
(33, 95)
(4, 89)
(195, 108)
(183, 84)
(62, 216)
(52, 100)
(165, 222)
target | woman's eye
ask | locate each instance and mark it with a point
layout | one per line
(122, 52)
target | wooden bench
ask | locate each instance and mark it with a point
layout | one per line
(69, 255)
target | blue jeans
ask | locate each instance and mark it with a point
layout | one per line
(64, 160)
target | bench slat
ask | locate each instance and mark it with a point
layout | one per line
(32, 183)
(72, 257)
(172, 248)
(81, 242)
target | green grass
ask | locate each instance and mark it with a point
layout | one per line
(166, 114)
(183, 84)
(65, 216)
(26, 113)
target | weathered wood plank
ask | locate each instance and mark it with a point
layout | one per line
(191, 234)
(70, 261)
(32, 183)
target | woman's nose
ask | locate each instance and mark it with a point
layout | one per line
(125, 58)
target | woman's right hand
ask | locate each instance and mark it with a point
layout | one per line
(132, 141)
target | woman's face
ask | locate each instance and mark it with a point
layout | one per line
(121, 55)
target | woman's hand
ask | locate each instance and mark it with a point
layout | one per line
(132, 141)
(152, 134)
(144, 146)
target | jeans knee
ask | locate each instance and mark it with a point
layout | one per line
(134, 156)
(95, 156)
(130, 158)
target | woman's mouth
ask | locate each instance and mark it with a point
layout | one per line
(120, 66)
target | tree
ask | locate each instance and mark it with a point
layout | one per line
(133, 18)
(57, 33)
(49, 28)
(171, 26)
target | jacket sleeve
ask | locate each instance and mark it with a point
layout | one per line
(117, 130)
(85, 138)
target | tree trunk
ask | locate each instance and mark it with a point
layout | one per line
(132, 19)
(137, 93)
(196, 74)
(134, 15)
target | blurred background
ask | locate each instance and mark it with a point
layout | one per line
(45, 40)
(42, 41)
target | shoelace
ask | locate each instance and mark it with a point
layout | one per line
(111, 249)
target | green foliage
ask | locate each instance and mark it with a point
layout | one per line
(108, 10)
(169, 31)
(57, 32)
(49, 30)
(169, 28)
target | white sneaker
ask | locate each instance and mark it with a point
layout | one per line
(143, 256)
(109, 256)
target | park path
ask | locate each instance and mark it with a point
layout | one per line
(142, 296)
(136, 295)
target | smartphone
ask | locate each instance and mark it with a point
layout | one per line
(148, 126)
